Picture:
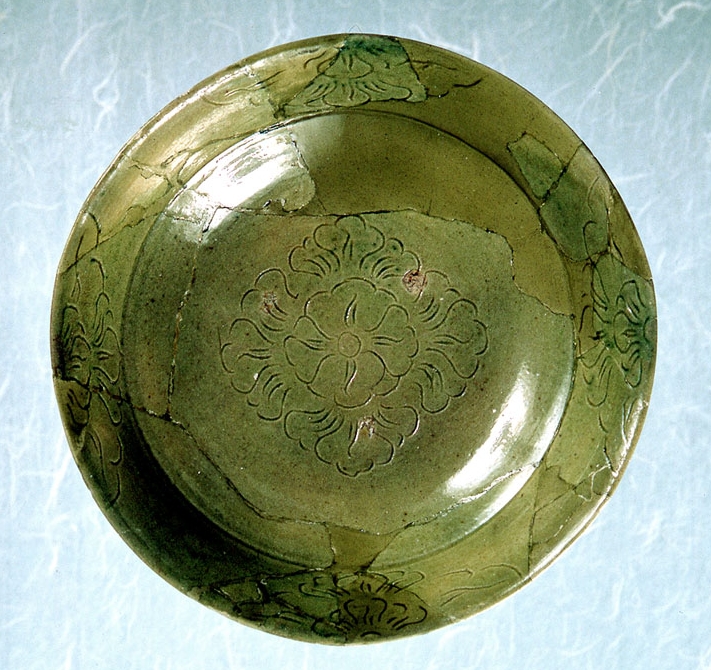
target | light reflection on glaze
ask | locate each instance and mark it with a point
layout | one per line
(251, 175)
(514, 425)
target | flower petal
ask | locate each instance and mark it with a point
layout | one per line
(625, 332)
(307, 426)
(331, 374)
(306, 349)
(345, 94)
(105, 363)
(460, 338)
(437, 380)
(332, 446)
(632, 366)
(337, 440)
(598, 365)
(390, 261)
(313, 259)
(270, 301)
(394, 341)
(244, 354)
(367, 304)
(77, 399)
(76, 363)
(364, 375)
(364, 453)
(326, 311)
(387, 385)
(269, 393)
(350, 237)
(397, 423)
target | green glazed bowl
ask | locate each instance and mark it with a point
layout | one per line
(353, 339)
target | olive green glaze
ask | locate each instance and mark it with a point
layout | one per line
(353, 339)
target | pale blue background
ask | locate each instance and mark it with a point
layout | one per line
(632, 77)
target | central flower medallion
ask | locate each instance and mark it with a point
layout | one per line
(352, 344)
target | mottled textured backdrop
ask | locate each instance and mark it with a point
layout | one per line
(632, 78)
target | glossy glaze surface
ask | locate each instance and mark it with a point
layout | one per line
(353, 339)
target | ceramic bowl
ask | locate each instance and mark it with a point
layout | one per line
(353, 339)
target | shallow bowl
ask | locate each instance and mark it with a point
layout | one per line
(353, 339)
